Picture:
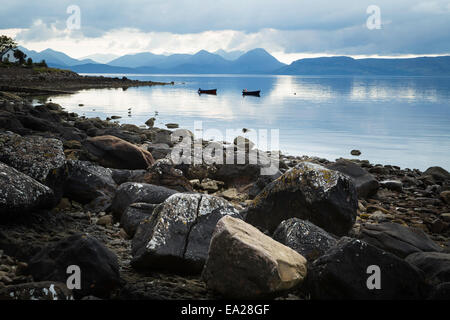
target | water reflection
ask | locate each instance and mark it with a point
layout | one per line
(396, 120)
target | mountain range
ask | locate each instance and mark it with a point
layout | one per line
(256, 61)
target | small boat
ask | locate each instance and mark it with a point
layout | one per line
(210, 91)
(251, 93)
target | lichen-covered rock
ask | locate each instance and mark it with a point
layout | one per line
(113, 152)
(98, 265)
(243, 263)
(342, 273)
(20, 193)
(87, 181)
(40, 158)
(397, 239)
(177, 235)
(366, 185)
(133, 192)
(35, 156)
(310, 192)
(46, 290)
(134, 215)
(304, 237)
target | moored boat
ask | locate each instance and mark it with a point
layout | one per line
(251, 93)
(210, 91)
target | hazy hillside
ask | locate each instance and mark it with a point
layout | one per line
(257, 61)
(424, 66)
(54, 57)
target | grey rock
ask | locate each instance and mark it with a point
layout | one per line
(310, 192)
(38, 157)
(438, 174)
(86, 182)
(134, 215)
(393, 185)
(177, 235)
(304, 237)
(99, 266)
(20, 193)
(243, 263)
(397, 239)
(159, 151)
(435, 265)
(342, 274)
(123, 175)
(366, 184)
(133, 192)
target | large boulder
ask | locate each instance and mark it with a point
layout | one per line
(40, 158)
(177, 235)
(435, 265)
(397, 239)
(236, 173)
(304, 237)
(310, 192)
(243, 263)
(20, 193)
(113, 152)
(134, 215)
(365, 183)
(438, 174)
(87, 181)
(98, 265)
(133, 192)
(343, 273)
(46, 290)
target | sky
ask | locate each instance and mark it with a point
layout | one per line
(288, 29)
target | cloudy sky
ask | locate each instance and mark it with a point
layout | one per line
(289, 29)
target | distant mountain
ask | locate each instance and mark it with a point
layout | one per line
(53, 57)
(256, 61)
(229, 55)
(137, 60)
(422, 66)
(97, 68)
(101, 57)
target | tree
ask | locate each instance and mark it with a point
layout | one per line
(29, 62)
(20, 56)
(7, 42)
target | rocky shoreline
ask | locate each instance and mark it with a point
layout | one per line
(107, 198)
(27, 82)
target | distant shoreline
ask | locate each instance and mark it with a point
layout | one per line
(29, 82)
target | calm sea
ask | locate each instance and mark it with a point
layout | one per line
(402, 121)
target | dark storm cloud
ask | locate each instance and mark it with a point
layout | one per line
(413, 26)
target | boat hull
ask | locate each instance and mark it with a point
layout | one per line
(212, 91)
(251, 93)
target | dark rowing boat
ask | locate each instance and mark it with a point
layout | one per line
(211, 91)
(251, 93)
